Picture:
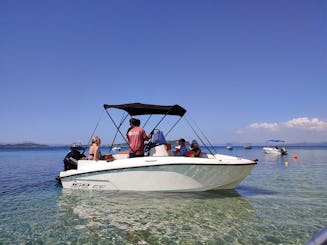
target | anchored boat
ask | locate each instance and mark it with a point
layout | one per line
(275, 147)
(159, 169)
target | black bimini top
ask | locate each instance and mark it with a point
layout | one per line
(135, 109)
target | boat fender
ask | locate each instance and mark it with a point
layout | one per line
(319, 238)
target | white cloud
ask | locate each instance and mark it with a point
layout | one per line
(268, 126)
(306, 124)
(300, 129)
(303, 123)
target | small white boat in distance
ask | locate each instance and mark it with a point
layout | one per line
(247, 146)
(159, 169)
(229, 146)
(116, 148)
(276, 147)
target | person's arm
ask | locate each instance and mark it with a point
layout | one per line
(147, 137)
(197, 152)
(97, 153)
(127, 134)
(150, 135)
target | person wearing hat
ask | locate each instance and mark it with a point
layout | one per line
(73, 154)
(182, 149)
(195, 149)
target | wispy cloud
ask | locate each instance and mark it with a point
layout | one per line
(268, 126)
(306, 124)
(300, 123)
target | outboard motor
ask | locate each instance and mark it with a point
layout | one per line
(70, 160)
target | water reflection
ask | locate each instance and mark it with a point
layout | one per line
(273, 158)
(253, 191)
(156, 217)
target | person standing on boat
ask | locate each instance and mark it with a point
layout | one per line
(94, 150)
(136, 137)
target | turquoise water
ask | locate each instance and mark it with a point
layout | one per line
(277, 203)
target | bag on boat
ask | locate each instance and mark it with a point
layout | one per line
(108, 157)
(158, 138)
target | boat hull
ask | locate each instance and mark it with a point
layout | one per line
(179, 174)
(272, 150)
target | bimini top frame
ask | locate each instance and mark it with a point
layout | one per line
(137, 109)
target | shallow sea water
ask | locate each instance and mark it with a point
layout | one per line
(277, 203)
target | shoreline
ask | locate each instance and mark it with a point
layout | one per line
(44, 146)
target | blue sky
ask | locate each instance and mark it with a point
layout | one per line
(246, 71)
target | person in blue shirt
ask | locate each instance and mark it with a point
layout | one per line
(182, 149)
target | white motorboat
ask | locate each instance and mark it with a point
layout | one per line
(116, 148)
(159, 169)
(229, 146)
(276, 147)
(247, 146)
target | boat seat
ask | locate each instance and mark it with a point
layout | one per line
(158, 138)
(158, 151)
(121, 156)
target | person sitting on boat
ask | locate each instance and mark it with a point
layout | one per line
(195, 150)
(94, 150)
(75, 154)
(136, 137)
(182, 149)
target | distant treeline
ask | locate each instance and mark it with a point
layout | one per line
(25, 146)
(35, 145)
(172, 142)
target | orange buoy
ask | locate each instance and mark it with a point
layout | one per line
(294, 156)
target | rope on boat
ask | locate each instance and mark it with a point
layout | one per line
(146, 122)
(202, 135)
(173, 126)
(96, 126)
(117, 127)
(162, 118)
(122, 120)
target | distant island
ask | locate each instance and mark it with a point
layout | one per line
(31, 145)
(24, 146)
